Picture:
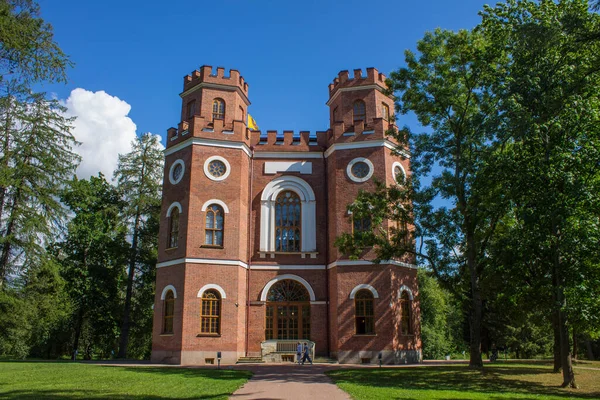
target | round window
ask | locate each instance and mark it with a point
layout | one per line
(176, 172)
(360, 169)
(398, 173)
(217, 168)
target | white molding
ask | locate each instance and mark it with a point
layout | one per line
(353, 89)
(228, 88)
(215, 201)
(364, 286)
(217, 178)
(212, 286)
(350, 263)
(407, 289)
(317, 302)
(210, 143)
(172, 206)
(265, 291)
(233, 263)
(308, 238)
(397, 164)
(273, 167)
(356, 178)
(287, 154)
(166, 289)
(172, 180)
(264, 267)
(365, 144)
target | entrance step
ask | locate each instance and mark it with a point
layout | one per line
(249, 360)
(325, 360)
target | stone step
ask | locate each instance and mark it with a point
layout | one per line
(325, 360)
(249, 360)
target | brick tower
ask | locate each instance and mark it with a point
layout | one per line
(246, 263)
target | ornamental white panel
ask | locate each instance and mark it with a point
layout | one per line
(273, 167)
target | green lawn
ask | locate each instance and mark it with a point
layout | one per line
(65, 380)
(497, 381)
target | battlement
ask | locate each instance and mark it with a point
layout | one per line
(288, 140)
(343, 80)
(206, 75)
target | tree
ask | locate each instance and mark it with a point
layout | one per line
(548, 90)
(139, 175)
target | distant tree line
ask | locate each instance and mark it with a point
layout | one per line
(503, 201)
(77, 257)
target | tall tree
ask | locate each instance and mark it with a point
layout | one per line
(139, 175)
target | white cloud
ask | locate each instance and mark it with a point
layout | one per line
(103, 128)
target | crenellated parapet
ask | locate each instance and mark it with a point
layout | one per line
(206, 75)
(199, 127)
(288, 141)
(343, 80)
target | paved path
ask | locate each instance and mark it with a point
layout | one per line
(289, 382)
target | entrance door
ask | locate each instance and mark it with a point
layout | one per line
(288, 311)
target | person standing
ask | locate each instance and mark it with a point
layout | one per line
(299, 352)
(306, 354)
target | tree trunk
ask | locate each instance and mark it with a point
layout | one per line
(574, 344)
(5, 255)
(590, 352)
(124, 339)
(475, 360)
(556, 346)
(78, 326)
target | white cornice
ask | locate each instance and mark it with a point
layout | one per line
(288, 154)
(350, 263)
(353, 89)
(229, 88)
(363, 145)
(209, 142)
(282, 267)
(233, 263)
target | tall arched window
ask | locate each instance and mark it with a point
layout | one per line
(213, 235)
(173, 227)
(405, 305)
(169, 310)
(191, 109)
(218, 109)
(385, 111)
(210, 314)
(287, 222)
(359, 111)
(361, 224)
(364, 312)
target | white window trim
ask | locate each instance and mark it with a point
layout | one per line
(397, 164)
(212, 286)
(215, 201)
(172, 169)
(265, 291)
(172, 206)
(364, 286)
(402, 289)
(355, 178)
(308, 237)
(166, 289)
(216, 178)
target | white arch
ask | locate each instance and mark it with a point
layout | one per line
(364, 286)
(212, 286)
(402, 289)
(166, 289)
(172, 206)
(265, 291)
(215, 201)
(308, 239)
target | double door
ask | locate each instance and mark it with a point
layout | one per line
(287, 321)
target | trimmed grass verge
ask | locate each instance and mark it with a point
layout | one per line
(497, 381)
(66, 380)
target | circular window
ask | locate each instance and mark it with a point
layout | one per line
(217, 168)
(360, 169)
(398, 173)
(176, 172)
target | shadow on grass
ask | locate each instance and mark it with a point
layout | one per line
(491, 381)
(221, 374)
(94, 394)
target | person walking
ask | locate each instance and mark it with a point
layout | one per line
(306, 355)
(299, 352)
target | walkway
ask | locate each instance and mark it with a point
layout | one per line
(289, 382)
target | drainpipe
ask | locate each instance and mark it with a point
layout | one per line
(327, 253)
(249, 247)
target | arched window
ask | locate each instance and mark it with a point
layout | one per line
(385, 111)
(210, 314)
(359, 111)
(364, 312)
(242, 114)
(191, 109)
(218, 109)
(213, 235)
(173, 227)
(361, 224)
(287, 222)
(405, 305)
(169, 310)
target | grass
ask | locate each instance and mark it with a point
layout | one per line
(66, 380)
(497, 381)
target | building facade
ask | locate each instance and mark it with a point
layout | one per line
(246, 261)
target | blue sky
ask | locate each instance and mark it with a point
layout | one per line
(288, 52)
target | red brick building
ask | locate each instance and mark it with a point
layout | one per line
(246, 263)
